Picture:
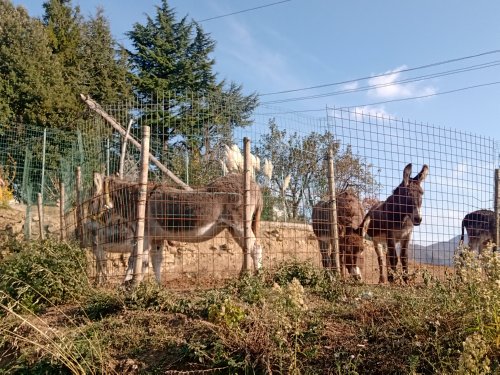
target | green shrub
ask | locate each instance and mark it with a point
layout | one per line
(249, 288)
(305, 272)
(102, 303)
(41, 274)
(228, 312)
(149, 295)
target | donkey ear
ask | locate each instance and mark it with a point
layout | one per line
(406, 175)
(423, 174)
(98, 183)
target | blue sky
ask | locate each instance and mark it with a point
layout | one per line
(298, 44)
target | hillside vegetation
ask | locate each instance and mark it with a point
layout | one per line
(295, 319)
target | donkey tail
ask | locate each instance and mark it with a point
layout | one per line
(365, 224)
(462, 236)
(259, 207)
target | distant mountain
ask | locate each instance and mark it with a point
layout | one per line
(439, 253)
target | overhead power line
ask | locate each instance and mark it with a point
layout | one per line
(243, 11)
(424, 96)
(385, 101)
(383, 74)
(387, 84)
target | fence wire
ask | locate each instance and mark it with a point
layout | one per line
(189, 135)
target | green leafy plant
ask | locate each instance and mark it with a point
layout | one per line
(149, 295)
(42, 274)
(304, 272)
(249, 288)
(229, 313)
(102, 303)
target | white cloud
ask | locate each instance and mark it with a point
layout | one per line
(361, 113)
(386, 86)
(351, 86)
(372, 111)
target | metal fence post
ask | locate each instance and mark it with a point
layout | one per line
(497, 208)
(79, 213)
(247, 227)
(62, 202)
(44, 148)
(40, 215)
(333, 214)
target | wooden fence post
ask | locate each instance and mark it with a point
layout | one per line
(40, 215)
(497, 208)
(333, 214)
(141, 207)
(247, 227)
(97, 108)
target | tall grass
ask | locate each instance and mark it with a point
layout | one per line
(295, 319)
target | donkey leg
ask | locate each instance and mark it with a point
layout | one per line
(404, 257)
(380, 258)
(351, 257)
(239, 237)
(254, 250)
(344, 259)
(344, 264)
(146, 250)
(359, 265)
(392, 258)
(157, 259)
(257, 256)
(129, 274)
(324, 248)
(100, 259)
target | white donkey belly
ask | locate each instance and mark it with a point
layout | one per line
(198, 234)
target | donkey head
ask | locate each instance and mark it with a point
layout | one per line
(101, 190)
(406, 200)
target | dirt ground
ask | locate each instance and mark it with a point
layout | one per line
(187, 264)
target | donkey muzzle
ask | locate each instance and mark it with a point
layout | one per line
(417, 220)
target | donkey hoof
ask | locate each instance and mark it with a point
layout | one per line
(357, 278)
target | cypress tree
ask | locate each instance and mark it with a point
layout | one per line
(173, 69)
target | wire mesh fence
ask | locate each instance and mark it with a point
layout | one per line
(189, 139)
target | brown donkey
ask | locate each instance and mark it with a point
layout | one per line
(480, 227)
(172, 214)
(392, 222)
(350, 215)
